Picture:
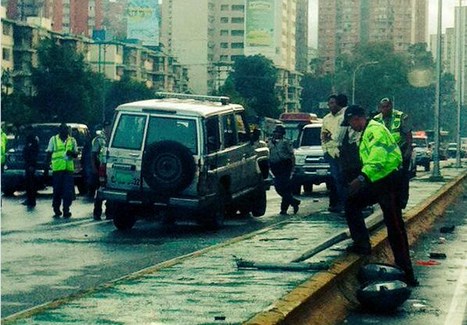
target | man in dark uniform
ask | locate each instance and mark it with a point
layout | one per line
(30, 153)
(378, 182)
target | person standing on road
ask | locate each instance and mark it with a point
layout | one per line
(282, 161)
(30, 154)
(61, 150)
(331, 138)
(378, 182)
(97, 158)
(3, 144)
(397, 123)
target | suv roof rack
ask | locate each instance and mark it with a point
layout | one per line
(224, 100)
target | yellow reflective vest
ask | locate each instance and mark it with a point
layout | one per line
(3, 148)
(395, 127)
(379, 153)
(60, 160)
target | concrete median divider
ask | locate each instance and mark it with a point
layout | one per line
(327, 296)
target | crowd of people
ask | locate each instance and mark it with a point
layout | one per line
(368, 157)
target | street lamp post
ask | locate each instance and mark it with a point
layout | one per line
(355, 74)
(436, 175)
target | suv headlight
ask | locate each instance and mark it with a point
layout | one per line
(300, 159)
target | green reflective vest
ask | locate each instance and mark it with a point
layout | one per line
(395, 127)
(60, 160)
(378, 151)
(3, 147)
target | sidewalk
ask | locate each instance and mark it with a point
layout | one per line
(207, 288)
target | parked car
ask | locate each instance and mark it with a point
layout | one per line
(422, 149)
(13, 177)
(183, 155)
(310, 166)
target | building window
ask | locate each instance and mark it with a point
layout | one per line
(224, 45)
(238, 8)
(224, 20)
(6, 55)
(238, 33)
(237, 45)
(224, 32)
(237, 20)
(224, 58)
(224, 7)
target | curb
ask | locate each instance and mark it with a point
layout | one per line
(326, 297)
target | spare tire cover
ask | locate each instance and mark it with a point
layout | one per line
(168, 167)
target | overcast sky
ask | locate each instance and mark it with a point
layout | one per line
(447, 19)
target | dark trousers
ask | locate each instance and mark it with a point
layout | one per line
(404, 185)
(283, 184)
(63, 190)
(31, 191)
(336, 190)
(385, 192)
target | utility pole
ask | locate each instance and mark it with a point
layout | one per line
(436, 176)
(460, 76)
(355, 74)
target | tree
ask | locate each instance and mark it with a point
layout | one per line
(66, 89)
(254, 78)
(124, 91)
(315, 89)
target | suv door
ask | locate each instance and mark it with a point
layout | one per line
(124, 158)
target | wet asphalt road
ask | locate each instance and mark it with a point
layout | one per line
(45, 259)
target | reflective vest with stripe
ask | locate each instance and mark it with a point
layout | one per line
(60, 161)
(378, 151)
(395, 127)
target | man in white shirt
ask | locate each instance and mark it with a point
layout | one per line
(331, 139)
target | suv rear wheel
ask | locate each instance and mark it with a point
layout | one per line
(259, 203)
(122, 217)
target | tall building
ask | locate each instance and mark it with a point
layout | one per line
(344, 24)
(301, 37)
(208, 35)
(460, 68)
(77, 17)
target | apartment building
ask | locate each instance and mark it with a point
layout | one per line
(208, 35)
(301, 37)
(343, 24)
(20, 41)
(77, 17)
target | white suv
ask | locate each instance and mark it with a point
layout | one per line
(179, 155)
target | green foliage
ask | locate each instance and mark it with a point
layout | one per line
(316, 89)
(254, 78)
(65, 86)
(124, 91)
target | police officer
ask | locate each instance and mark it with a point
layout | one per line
(397, 123)
(378, 182)
(282, 161)
(97, 158)
(61, 150)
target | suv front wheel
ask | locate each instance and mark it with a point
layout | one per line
(212, 218)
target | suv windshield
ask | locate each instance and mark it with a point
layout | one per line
(418, 142)
(311, 137)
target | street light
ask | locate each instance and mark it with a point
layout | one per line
(355, 73)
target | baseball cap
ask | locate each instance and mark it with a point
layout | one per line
(351, 111)
(385, 99)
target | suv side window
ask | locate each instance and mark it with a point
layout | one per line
(242, 129)
(230, 134)
(212, 132)
(129, 132)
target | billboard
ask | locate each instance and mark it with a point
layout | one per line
(143, 21)
(260, 25)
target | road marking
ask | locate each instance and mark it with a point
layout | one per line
(457, 309)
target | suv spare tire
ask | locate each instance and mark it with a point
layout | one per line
(168, 167)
